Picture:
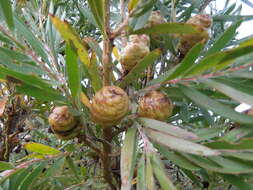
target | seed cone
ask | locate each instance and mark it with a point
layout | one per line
(63, 123)
(136, 49)
(109, 105)
(155, 105)
(202, 22)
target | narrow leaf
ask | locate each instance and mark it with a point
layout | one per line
(132, 4)
(141, 175)
(97, 9)
(27, 182)
(73, 71)
(70, 36)
(177, 159)
(210, 104)
(149, 173)
(31, 39)
(73, 167)
(41, 148)
(217, 59)
(224, 39)
(167, 128)
(5, 166)
(128, 159)
(180, 69)
(5, 7)
(168, 28)
(160, 174)
(238, 182)
(181, 145)
(235, 94)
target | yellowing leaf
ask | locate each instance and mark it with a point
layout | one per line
(115, 52)
(72, 37)
(132, 4)
(41, 149)
(85, 99)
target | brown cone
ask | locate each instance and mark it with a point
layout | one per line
(155, 105)
(63, 123)
(109, 105)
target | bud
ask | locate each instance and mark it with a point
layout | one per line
(109, 105)
(155, 105)
(132, 54)
(63, 123)
(202, 22)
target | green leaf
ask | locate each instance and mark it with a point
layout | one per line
(149, 172)
(18, 178)
(177, 159)
(31, 39)
(70, 36)
(237, 133)
(219, 59)
(5, 7)
(5, 166)
(128, 158)
(238, 182)
(88, 15)
(218, 108)
(73, 73)
(222, 165)
(187, 62)
(222, 18)
(40, 93)
(140, 67)
(95, 77)
(180, 145)
(244, 144)
(180, 69)
(160, 174)
(55, 167)
(41, 149)
(168, 28)
(142, 8)
(224, 39)
(29, 179)
(236, 94)
(209, 133)
(76, 171)
(132, 4)
(141, 175)
(167, 128)
(97, 9)
(28, 79)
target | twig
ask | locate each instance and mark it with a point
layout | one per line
(206, 76)
(107, 45)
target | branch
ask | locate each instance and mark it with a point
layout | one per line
(107, 45)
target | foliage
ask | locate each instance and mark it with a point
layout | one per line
(61, 52)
